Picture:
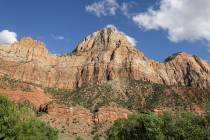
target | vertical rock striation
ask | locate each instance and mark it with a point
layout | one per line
(103, 55)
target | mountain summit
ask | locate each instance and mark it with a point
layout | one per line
(107, 38)
(104, 55)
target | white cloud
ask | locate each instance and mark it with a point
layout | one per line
(109, 7)
(7, 37)
(130, 39)
(103, 7)
(187, 20)
(126, 6)
(58, 37)
(111, 26)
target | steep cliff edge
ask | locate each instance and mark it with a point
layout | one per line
(102, 56)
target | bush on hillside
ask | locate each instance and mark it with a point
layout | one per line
(178, 126)
(19, 123)
(137, 127)
(184, 126)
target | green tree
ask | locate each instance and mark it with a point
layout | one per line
(169, 126)
(8, 118)
(137, 127)
(35, 130)
(20, 124)
(183, 126)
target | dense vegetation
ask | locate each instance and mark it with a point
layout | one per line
(148, 126)
(19, 123)
(133, 95)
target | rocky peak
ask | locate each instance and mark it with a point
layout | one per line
(110, 29)
(29, 48)
(108, 38)
(30, 42)
(178, 56)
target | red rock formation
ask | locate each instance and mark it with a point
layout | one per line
(78, 120)
(110, 114)
(104, 55)
(35, 98)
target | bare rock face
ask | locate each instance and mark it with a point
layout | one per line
(110, 114)
(104, 55)
(36, 98)
(29, 48)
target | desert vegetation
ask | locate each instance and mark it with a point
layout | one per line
(134, 95)
(186, 116)
(7, 82)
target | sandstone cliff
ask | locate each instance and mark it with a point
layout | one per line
(102, 56)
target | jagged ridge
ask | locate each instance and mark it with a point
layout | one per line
(102, 56)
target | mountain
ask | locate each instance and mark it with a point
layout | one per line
(105, 78)
(102, 56)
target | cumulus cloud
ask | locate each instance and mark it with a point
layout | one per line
(109, 7)
(58, 37)
(7, 37)
(103, 7)
(184, 20)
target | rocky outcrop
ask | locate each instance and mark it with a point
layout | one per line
(107, 115)
(79, 120)
(102, 56)
(35, 99)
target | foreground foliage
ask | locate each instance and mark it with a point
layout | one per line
(178, 126)
(19, 123)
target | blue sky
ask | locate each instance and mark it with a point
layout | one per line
(62, 24)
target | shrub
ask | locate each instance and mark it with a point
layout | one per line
(8, 118)
(19, 123)
(183, 126)
(137, 127)
(35, 130)
(177, 126)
